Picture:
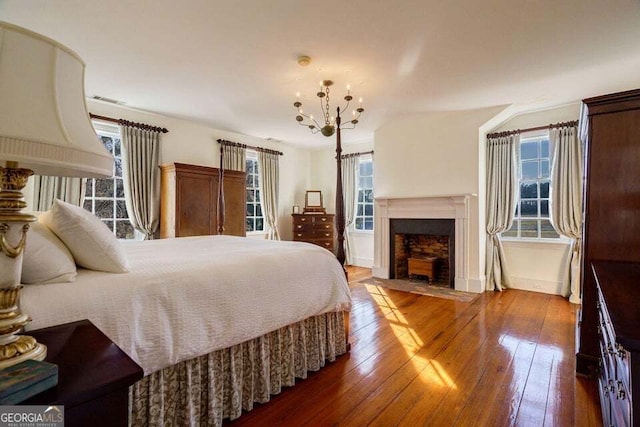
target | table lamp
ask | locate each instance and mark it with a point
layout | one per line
(44, 129)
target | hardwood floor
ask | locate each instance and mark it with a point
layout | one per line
(505, 359)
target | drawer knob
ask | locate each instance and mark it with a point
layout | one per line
(299, 226)
(620, 350)
(299, 234)
(621, 393)
(323, 219)
(327, 234)
(303, 219)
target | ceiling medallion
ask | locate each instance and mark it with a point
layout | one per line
(304, 60)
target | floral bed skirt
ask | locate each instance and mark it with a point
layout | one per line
(206, 389)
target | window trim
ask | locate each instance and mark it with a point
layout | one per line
(353, 229)
(113, 132)
(538, 240)
(253, 156)
(531, 136)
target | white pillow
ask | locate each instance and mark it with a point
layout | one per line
(91, 243)
(46, 259)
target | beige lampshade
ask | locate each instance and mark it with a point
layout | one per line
(44, 123)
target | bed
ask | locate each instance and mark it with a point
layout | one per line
(217, 323)
(213, 334)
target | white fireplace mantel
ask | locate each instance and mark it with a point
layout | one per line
(438, 207)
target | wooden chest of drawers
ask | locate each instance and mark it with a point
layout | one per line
(618, 318)
(314, 228)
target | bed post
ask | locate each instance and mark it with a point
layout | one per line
(340, 254)
(220, 207)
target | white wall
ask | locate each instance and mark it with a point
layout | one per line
(534, 265)
(323, 177)
(537, 266)
(189, 142)
(437, 154)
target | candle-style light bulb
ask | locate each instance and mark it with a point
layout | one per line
(298, 95)
(360, 101)
(353, 112)
(348, 89)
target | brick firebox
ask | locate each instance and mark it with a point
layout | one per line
(422, 247)
(423, 238)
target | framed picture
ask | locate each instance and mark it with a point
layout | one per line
(296, 209)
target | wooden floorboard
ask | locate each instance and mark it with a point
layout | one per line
(505, 359)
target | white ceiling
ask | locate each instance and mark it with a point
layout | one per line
(232, 64)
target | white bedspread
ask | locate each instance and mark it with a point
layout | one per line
(189, 296)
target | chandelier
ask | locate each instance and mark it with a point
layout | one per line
(331, 123)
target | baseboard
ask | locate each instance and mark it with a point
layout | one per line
(382, 273)
(363, 262)
(469, 285)
(535, 285)
(477, 285)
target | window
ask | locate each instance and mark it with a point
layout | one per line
(364, 206)
(104, 197)
(254, 219)
(531, 218)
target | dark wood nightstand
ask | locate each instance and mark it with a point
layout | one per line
(94, 375)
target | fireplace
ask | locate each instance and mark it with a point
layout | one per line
(452, 210)
(422, 249)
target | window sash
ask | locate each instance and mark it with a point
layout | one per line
(254, 217)
(364, 201)
(119, 225)
(534, 170)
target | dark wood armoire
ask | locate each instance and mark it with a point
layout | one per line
(612, 206)
(189, 201)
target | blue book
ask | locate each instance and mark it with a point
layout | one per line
(26, 379)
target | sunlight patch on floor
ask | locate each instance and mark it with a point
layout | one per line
(430, 370)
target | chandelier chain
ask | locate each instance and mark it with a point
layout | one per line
(326, 112)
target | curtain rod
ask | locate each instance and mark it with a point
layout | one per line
(236, 144)
(362, 153)
(124, 122)
(516, 131)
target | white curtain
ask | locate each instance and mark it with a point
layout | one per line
(46, 189)
(502, 190)
(566, 201)
(269, 177)
(235, 157)
(349, 190)
(141, 178)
